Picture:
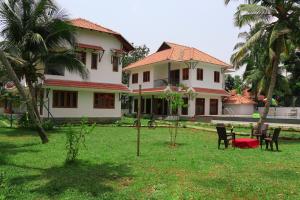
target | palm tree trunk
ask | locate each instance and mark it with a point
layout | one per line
(32, 90)
(12, 75)
(275, 64)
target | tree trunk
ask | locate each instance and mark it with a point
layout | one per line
(28, 99)
(275, 64)
(32, 90)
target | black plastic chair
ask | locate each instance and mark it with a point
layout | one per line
(223, 135)
(273, 139)
(260, 134)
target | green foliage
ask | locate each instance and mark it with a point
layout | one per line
(110, 169)
(76, 139)
(229, 82)
(25, 121)
(4, 187)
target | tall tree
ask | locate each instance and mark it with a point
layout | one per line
(137, 54)
(279, 24)
(36, 35)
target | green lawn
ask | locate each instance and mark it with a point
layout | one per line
(109, 169)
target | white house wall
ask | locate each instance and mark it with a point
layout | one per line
(160, 71)
(238, 109)
(85, 107)
(104, 72)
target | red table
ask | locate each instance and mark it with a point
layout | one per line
(245, 143)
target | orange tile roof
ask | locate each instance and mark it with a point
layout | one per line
(84, 84)
(85, 24)
(239, 99)
(175, 52)
(211, 91)
(88, 46)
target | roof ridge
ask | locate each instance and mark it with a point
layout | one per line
(172, 43)
(108, 29)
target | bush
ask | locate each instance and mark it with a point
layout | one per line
(25, 121)
(48, 125)
(76, 139)
(132, 115)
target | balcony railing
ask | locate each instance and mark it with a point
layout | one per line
(164, 82)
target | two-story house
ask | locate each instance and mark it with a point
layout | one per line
(173, 66)
(68, 96)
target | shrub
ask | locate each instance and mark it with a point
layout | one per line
(76, 139)
(48, 125)
(25, 121)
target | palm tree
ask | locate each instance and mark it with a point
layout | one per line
(279, 24)
(36, 35)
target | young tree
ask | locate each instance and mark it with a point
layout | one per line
(36, 36)
(229, 82)
(176, 101)
(279, 24)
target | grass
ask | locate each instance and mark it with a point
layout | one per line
(109, 168)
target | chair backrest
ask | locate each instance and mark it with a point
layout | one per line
(276, 134)
(221, 130)
(264, 129)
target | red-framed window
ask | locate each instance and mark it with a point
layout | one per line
(199, 74)
(135, 78)
(115, 62)
(185, 74)
(214, 106)
(94, 62)
(104, 100)
(217, 77)
(146, 76)
(65, 99)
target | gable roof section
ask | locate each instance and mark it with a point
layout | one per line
(176, 52)
(238, 99)
(85, 24)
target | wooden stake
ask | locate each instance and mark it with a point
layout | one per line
(139, 121)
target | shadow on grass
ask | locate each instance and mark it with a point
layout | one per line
(83, 177)
(9, 149)
(21, 132)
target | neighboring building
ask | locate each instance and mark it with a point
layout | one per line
(68, 96)
(239, 104)
(169, 68)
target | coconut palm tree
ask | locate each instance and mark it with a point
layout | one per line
(279, 24)
(36, 35)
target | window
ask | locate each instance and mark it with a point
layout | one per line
(81, 55)
(185, 74)
(64, 99)
(146, 76)
(199, 74)
(135, 78)
(104, 100)
(217, 77)
(185, 110)
(115, 62)
(94, 61)
(200, 106)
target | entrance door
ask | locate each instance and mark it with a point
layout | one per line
(174, 77)
(214, 107)
(200, 106)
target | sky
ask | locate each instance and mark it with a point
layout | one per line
(205, 25)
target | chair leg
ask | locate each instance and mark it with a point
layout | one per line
(276, 144)
(226, 143)
(271, 143)
(267, 145)
(261, 142)
(219, 143)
